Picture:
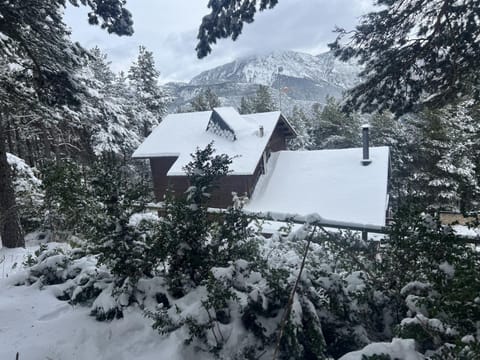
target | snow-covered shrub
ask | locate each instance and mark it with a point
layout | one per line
(28, 193)
(432, 279)
(73, 276)
(80, 197)
(98, 206)
(238, 310)
(125, 248)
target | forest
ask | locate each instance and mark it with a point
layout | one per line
(69, 125)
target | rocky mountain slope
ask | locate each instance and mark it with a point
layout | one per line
(305, 78)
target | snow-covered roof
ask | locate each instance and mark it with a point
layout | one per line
(331, 183)
(181, 134)
(226, 121)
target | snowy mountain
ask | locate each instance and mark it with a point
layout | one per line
(308, 79)
(270, 69)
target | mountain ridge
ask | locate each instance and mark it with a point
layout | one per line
(309, 79)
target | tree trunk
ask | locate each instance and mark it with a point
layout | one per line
(10, 228)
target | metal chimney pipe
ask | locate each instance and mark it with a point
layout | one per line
(366, 145)
(260, 131)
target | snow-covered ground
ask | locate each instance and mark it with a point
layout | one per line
(466, 231)
(37, 325)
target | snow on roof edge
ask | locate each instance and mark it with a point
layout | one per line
(284, 118)
(155, 155)
(314, 219)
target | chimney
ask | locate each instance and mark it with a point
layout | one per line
(366, 145)
(260, 131)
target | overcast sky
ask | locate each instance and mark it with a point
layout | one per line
(169, 29)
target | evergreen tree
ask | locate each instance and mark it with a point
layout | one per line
(384, 129)
(434, 157)
(198, 103)
(443, 171)
(263, 102)
(41, 62)
(143, 77)
(303, 125)
(212, 99)
(106, 108)
(205, 100)
(246, 106)
(415, 52)
(226, 19)
(186, 225)
(115, 193)
(66, 198)
(334, 128)
(29, 195)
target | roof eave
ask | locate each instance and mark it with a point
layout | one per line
(290, 129)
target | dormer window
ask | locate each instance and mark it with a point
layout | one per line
(226, 122)
(218, 126)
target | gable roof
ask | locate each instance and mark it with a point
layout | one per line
(180, 135)
(331, 183)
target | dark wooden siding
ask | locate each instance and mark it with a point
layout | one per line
(161, 182)
(222, 196)
(277, 140)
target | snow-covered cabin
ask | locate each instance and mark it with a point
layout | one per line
(348, 186)
(248, 139)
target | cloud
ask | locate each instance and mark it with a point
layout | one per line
(169, 29)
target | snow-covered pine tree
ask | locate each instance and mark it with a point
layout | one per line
(385, 129)
(246, 106)
(430, 279)
(198, 103)
(106, 108)
(66, 198)
(443, 154)
(415, 53)
(263, 101)
(29, 194)
(212, 99)
(151, 99)
(334, 129)
(303, 125)
(43, 63)
(205, 100)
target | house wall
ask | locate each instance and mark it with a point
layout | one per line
(221, 196)
(161, 182)
(277, 140)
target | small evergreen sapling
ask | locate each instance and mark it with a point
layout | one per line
(124, 248)
(185, 228)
